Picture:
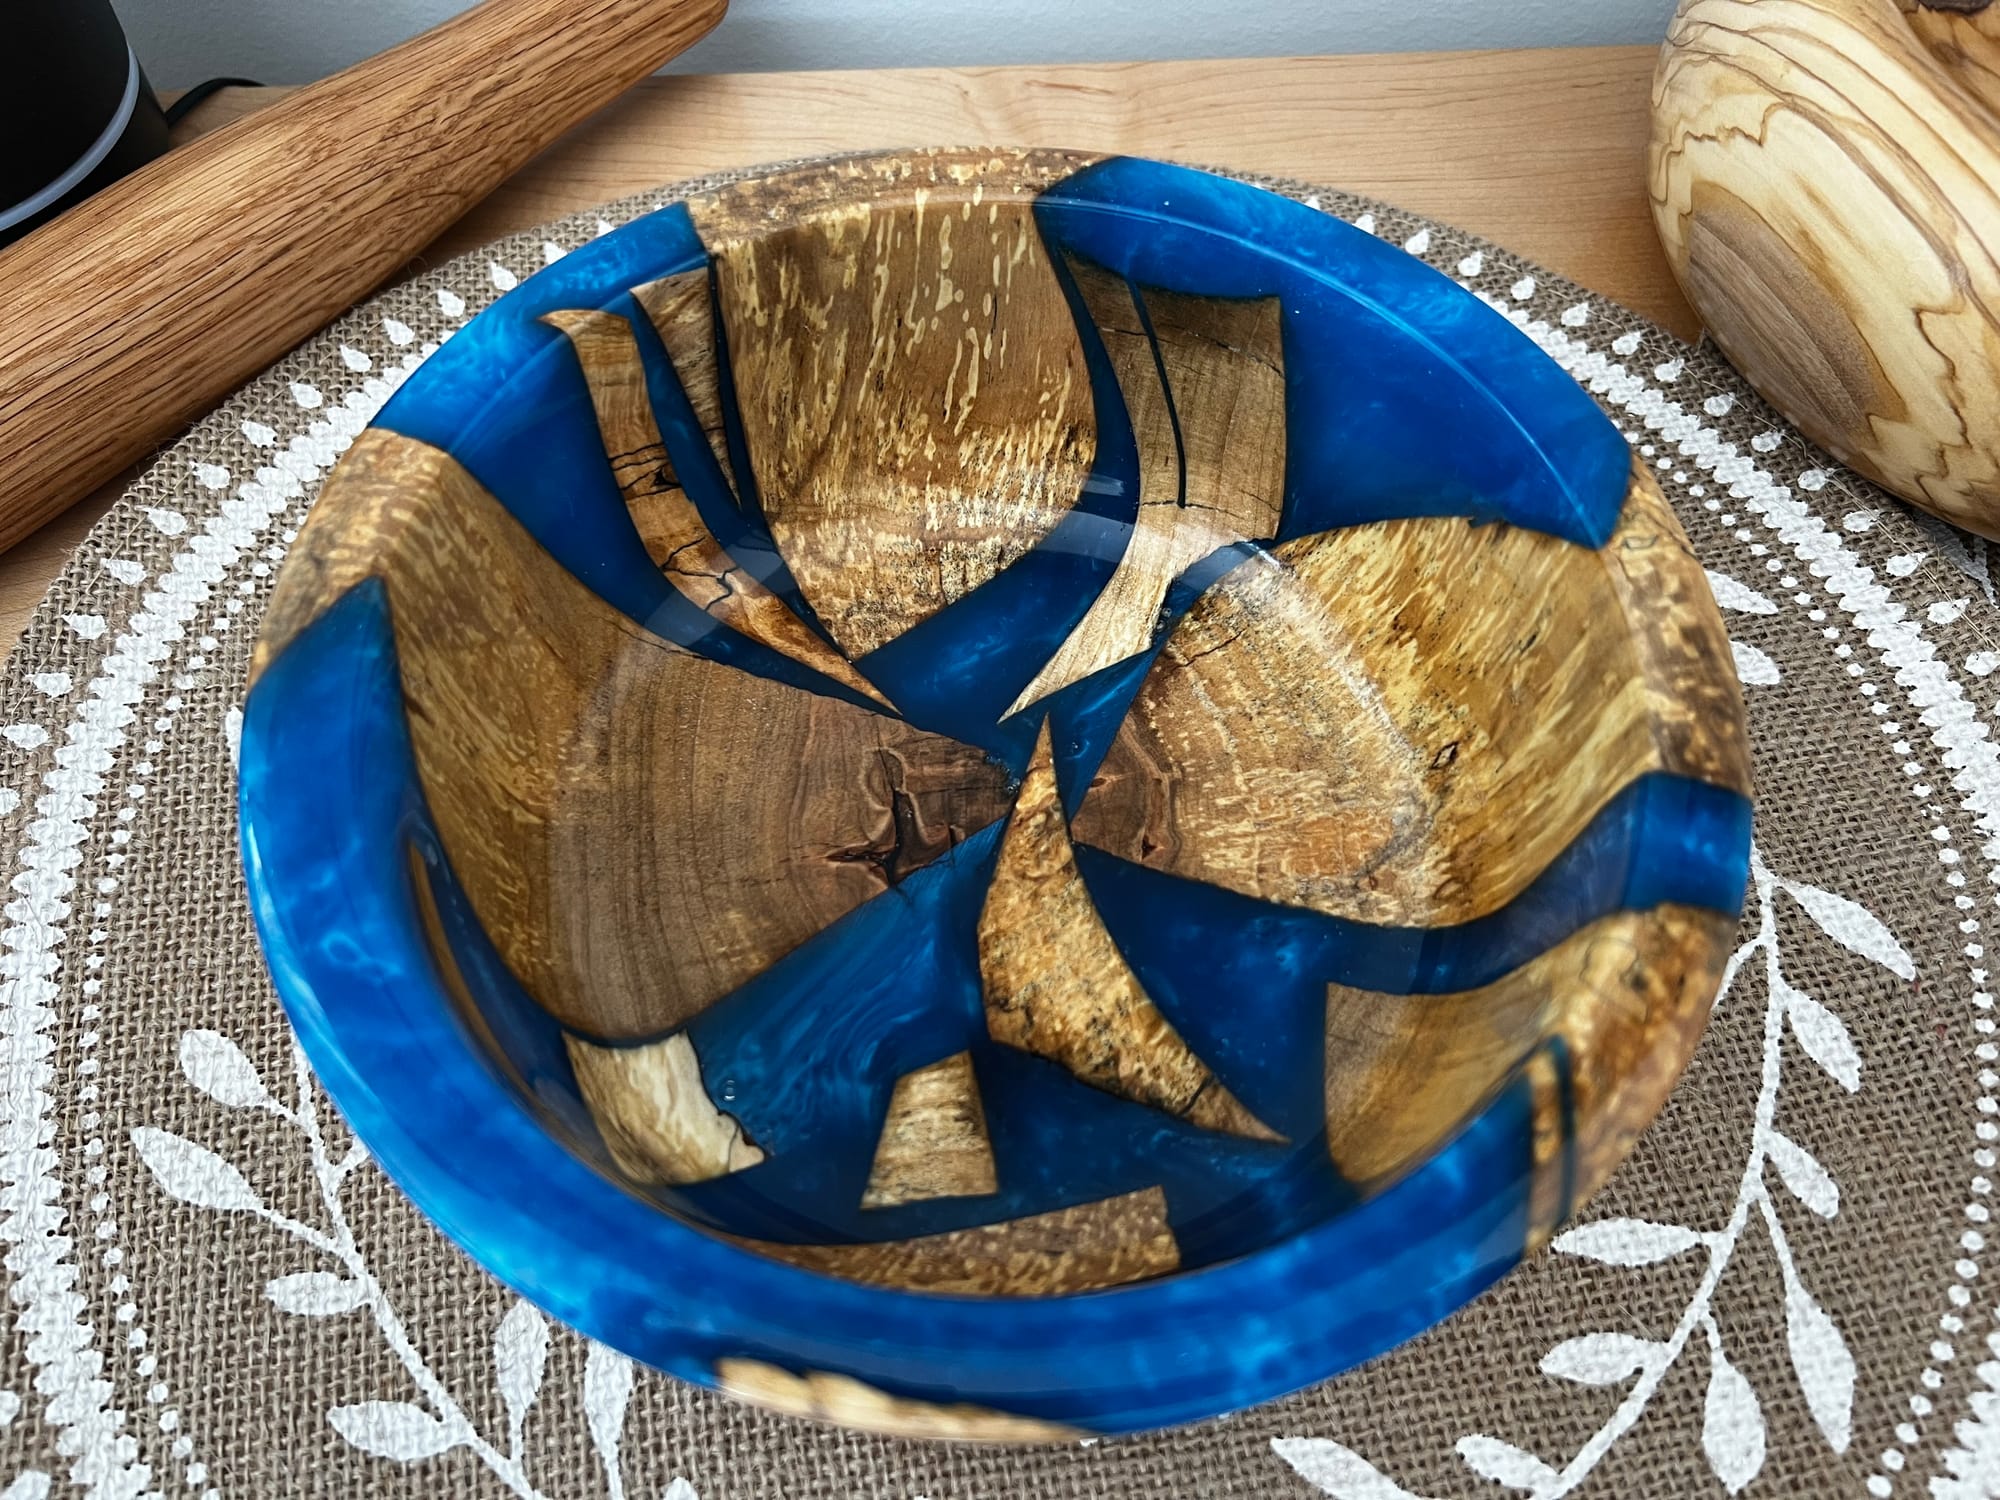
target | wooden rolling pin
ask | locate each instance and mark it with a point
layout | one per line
(126, 317)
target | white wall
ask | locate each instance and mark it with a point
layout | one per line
(290, 41)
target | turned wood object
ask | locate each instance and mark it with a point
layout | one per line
(131, 313)
(1825, 175)
(961, 788)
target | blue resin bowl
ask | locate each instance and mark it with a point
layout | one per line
(994, 794)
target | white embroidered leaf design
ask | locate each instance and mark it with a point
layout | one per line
(520, 1356)
(29, 1484)
(232, 734)
(1803, 1174)
(194, 1174)
(1825, 1367)
(1823, 1035)
(1974, 1464)
(1753, 667)
(1855, 929)
(1732, 1424)
(1340, 1472)
(1598, 1358)
(1626, 1242)
(1738, 596)
(680, 1489)
(607, 1387)
(1503, 1463)
(314, 1294)
(216, 1065)
(392, 1429)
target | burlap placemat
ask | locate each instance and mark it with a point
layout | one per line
(211, 1290)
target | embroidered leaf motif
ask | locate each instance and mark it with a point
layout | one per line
(1753, 667)
(1732, 1424)
(607, 1387)
(216, 1065)
(314, 1294)
(1598, 1358)
(1626, 1242)
(680, 1489)
(194, 1174)
(1503, 1463)
(1825, 1367)
(1854, 928)
(1738, 596)
(1340, 1472)
(520, 1356)
(1803, 1174)
(392, 1429)
(1823, 1035)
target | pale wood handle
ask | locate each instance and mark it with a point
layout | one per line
(130, 314)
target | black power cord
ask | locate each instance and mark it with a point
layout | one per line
(179, 109)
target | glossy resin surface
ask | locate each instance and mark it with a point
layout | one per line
(995, 794)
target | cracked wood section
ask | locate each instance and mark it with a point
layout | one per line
(655, 1113)
(912, 386)
(1627, 996)
(1405, 722)
(1204, 383)
(681, 310)
(934, 1142)
(850, 1403)
(1111, 1242)
(1825, 177)
(1056, 985)
(668, 523)
(592, 784)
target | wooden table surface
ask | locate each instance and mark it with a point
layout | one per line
(1542, 151)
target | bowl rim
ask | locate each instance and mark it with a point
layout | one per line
(385, 1039)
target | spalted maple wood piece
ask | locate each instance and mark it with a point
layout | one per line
(911, 381)
(1204, 381)
(934, 1142)
(682, 312)
(850, 1403)
(1626, 996)
(1481, 715)
(668, 523)
(657, 1118)
(1081, 1249)
(630, 869)
(1057, 986)
(1825, 176)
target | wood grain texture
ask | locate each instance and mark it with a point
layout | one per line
(934, 1142)
(681, 310)
(668, 522)
(1481, 713)
(1112, 1242)
(841, 1399)
(590, 781)
(655, 1112)
(1056, 985)
(914, 399)
(1404, 1072)
(1825, 176)
(1204, 384)
(134, 310)
(1533, 149)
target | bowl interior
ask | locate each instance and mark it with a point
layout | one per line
(979, 740)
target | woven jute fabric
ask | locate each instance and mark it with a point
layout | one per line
(211, 1290)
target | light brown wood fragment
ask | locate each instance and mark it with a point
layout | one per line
(655, 1113)
(1404, 723)
(1206, 397)
(850, 1403)
(934, 1142)
(1108, 1243)
(1056, 985)
(914, 399)
(676, 537)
